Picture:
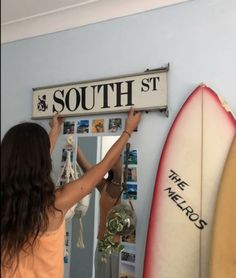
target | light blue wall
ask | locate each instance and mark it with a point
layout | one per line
(197, 38)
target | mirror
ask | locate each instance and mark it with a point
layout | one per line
(82, 261)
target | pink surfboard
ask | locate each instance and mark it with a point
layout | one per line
(188, 177)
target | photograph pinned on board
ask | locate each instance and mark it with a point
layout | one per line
(132, 174)
(131, 192)
(66, 245)
(98, 126)
(132, 159)
(69, 127)
(67, 238)
(115, 125)
(127, 257)
(127, 271)
(130, 238)
(82, 126)
(64, 155)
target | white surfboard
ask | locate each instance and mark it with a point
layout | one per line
(191, 164)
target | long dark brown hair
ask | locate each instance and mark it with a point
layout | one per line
(27, 190)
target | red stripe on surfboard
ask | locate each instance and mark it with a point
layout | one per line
(149, 245)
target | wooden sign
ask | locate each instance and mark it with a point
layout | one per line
(146, 91)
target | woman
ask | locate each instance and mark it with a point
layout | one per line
(110, 190)
(32, 215)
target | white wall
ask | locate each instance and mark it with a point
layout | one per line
(197, 38)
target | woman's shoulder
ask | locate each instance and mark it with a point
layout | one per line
(55, 219)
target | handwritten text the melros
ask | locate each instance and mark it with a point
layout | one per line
(181, 203)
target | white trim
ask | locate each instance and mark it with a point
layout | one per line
(85, 13)
(49, 12)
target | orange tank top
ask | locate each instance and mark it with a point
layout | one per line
(46, 261)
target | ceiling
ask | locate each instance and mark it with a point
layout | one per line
(28, 18)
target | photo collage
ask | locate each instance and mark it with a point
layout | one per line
(127, 256)
(93, 126)
(106, 126)
(90, 126)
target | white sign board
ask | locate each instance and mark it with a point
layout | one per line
(146, 91)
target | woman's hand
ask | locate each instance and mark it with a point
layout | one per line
(56, 122)
(132, 120)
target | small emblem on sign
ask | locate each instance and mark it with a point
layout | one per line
(42, 105)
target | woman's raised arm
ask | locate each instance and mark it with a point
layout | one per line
(73, 192)
(55, 124)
